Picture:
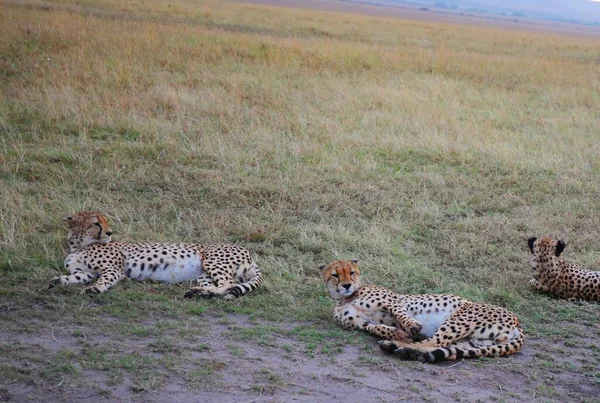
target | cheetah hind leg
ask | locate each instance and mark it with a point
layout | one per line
(501, 346)
(109, 278)
(388, 332)
(210, 285)
(246, 284)
(425, 355)
(224, 286)
(203, 291)
(440, 339)
(206, 289)
(205, 281)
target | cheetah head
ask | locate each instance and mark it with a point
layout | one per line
(85, 228)
(544, 251)
(342, 278)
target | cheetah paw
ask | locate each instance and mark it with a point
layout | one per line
(54, 282)
(576, 301)
(415, 329)
(93, 290)
(229, 297)
(402, 337)
(407, 353)
(387, 345)
(194, 292)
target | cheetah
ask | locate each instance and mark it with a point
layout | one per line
(552, 275)
(221, 270)
(448, 327)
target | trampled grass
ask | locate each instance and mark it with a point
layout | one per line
(430, 152)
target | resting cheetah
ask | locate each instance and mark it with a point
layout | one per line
(453, 326)
(551, 274)
(221, 270)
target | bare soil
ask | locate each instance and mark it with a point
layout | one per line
(282, 369)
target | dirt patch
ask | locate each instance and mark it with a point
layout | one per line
(228, 362)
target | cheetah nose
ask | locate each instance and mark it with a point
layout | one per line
(109, 233)
(347, 286)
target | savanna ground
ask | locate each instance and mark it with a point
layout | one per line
(430, 152)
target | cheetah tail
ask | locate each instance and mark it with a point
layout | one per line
(455, 353)
(238, 290)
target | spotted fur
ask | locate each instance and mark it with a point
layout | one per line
(451, 326)
(221, 270)
(552, 275)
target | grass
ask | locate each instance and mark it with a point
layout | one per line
(428, 151)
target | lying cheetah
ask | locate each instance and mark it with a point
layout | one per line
(453, 327)
(551, 274)
(221, 270)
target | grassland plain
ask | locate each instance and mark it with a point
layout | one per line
(428, 151)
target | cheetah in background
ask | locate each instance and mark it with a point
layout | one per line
(552, 275)
(453, 327)
(221, 270)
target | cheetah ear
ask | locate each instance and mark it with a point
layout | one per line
(560, 246)
(354, 261)
(530, 242)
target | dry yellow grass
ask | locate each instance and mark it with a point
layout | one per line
(259, 75)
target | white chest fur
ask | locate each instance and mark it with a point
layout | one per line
(431, 321)
(75, 262)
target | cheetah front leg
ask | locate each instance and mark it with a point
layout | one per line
(352, 319)
(79, 273)
(457, 327)
(388, 333)
(204, 280)
(535, 283)
(539, 286)
(410, 325)
(77, 277)
(110, 276)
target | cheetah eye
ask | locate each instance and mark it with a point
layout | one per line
(98, 224)
(335, 275)
(352, 273)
